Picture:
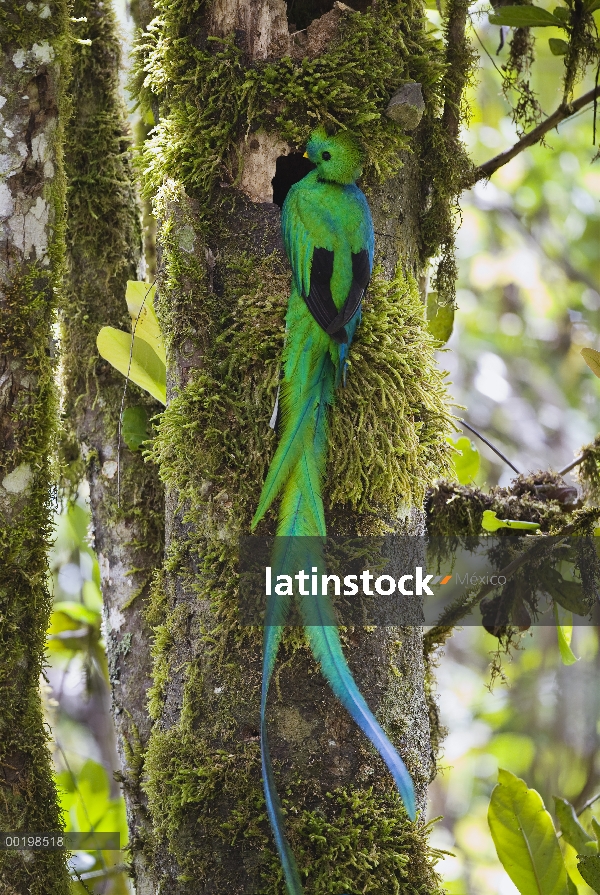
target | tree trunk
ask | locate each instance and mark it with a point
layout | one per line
(104, 251)
(34, 65)
(238, 98)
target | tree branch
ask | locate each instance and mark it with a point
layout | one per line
(457, 52)
(564, 111)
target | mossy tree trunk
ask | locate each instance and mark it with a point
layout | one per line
(33, 71)
(104, 251)
(238, 95)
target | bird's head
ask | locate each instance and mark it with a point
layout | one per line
(338, 158)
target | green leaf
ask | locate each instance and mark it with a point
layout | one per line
(490, 522)
(525, 838)
(596, 829)
(466, 462)
(440, 318)
(524, 17)
(146, 368)
(77, 612)
(558, 47)
(140, 304)
(572, 887)
(572, 831)
(590, 870)
(591, 5)
(565, 633)
(567, 655)
(592, 359)
(568, 594)
(134, 427)
(561, 13)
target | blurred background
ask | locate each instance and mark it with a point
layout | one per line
(528, 301)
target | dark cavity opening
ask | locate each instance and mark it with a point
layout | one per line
(289, 169)
(300, 13)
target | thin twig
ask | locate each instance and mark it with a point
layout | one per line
(573, 463)
(490, 445)
(588, 804)
(98, 874)
(76, 875)
(564, 111)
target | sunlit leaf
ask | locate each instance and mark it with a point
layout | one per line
(490, 522)
(589, 868)
(440, 318)
(140, 304)
(92, 597)
(525, 838)
(77, 612)
(134, 427)
(592, 359)
(466, 463)
(572, 831)
(596, 829)
(564, 644)
(141, 363)
(565, 633)
(524, 17)
(557, 46)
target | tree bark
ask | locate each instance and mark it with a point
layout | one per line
(224, 283)
(34, 66)
(104, 251)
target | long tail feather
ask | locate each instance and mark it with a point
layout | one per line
(298, 421)
(276, 611)
(297, 470)
(326, 647)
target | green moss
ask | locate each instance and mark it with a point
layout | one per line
(213, 448)
(28, 801)
(104, 243)
(456, 511)
(206, 795)
(209, 99)
(388, 425)
(588, 472)
(23, 27)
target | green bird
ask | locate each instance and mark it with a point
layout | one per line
(329, 240)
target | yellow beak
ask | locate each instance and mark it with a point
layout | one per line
(305, 155)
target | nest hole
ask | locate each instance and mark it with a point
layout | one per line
(289, 169)
(300, 13)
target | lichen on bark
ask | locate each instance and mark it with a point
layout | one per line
(104, 251)
(33, 73)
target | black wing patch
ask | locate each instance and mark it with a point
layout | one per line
(319, 300)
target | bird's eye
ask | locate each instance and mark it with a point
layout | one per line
(325, 156)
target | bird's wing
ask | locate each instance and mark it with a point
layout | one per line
(309, 248)
(298, 231)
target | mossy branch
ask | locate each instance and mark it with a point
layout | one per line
(562, 113)
(458, 60)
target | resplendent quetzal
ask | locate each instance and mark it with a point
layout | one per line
(329, 240)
